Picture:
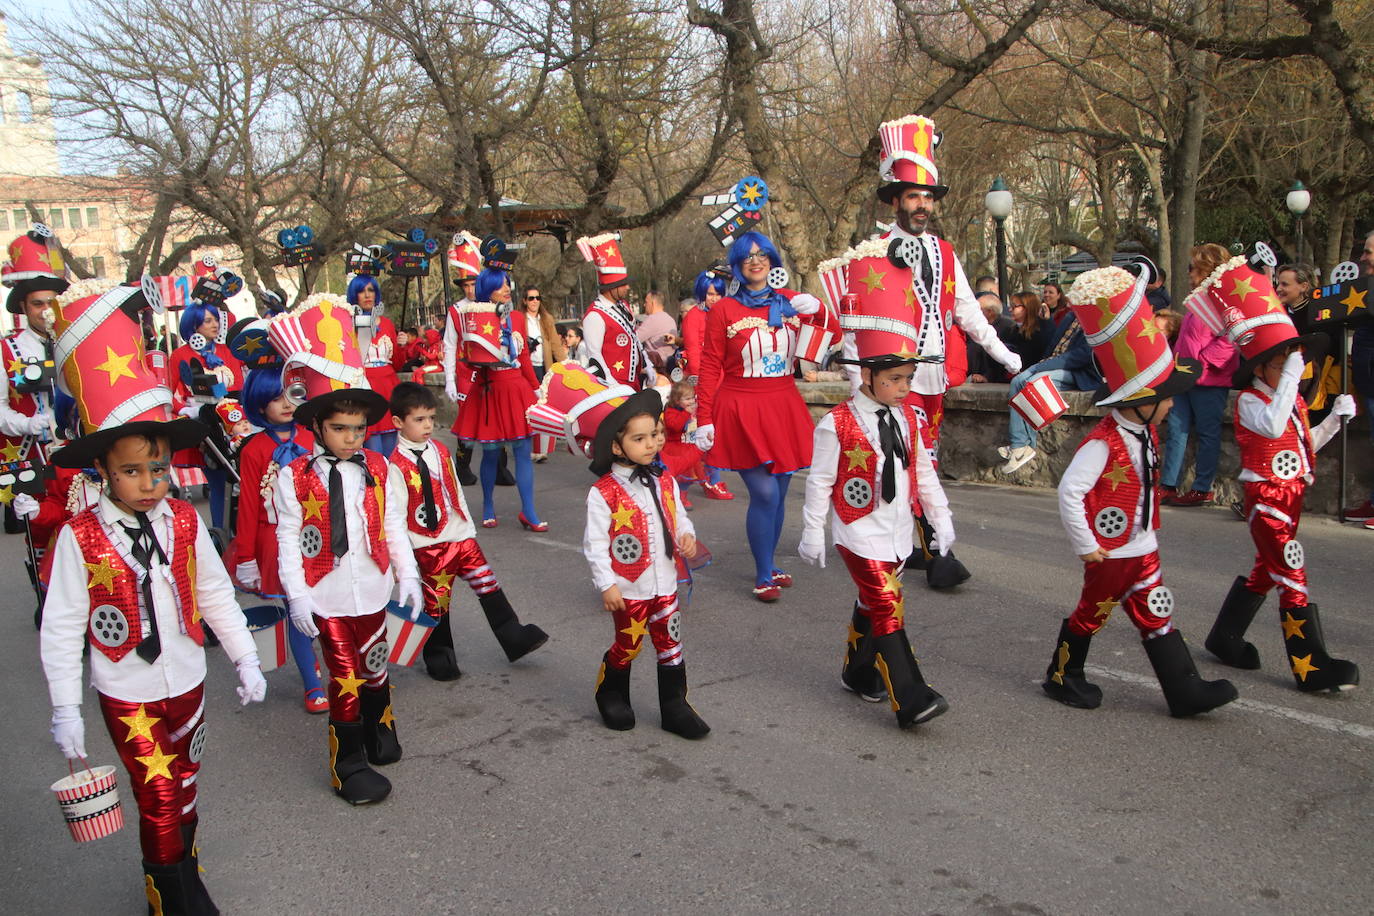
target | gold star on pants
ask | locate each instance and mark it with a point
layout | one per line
(636, 630)
(157, 764)
(1105, 608)
(348, 685)
(140, 724)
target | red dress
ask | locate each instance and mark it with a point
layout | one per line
(746, 390)
(495, 401)
(693, 339)
(682, 459)
(256, 534)
(181, 395)
(380, 373)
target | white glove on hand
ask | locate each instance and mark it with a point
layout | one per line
(451, 390)
(706, 437)
(805, 304)
(303, 616)
(25, 506)
(1013, 364)
(409, 594)
(1292, 366)
(944, 535)
(1342, 406)
(190, 411)
(812, 548)
(248, 574)
(38, 424)
(69, 731)
(253, 686)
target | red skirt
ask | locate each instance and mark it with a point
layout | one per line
(761, 421)
(494, 410)
(383, 380)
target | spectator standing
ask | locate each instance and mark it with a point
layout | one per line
(981, 366)
(657, 330)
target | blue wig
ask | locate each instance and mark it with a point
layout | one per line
(740, 248)
(260, 388)
(194, 316)
(708, 280)
(360, 283)
(488, 282)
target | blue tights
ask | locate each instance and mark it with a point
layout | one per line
(303, 651)
(763, 521)
(524, 476)
(218, 481)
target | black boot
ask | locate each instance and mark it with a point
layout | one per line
(1305, 643)
(678, 715)
(1227, 639)
(1186, 693)
(353, 780)
(912, 698)
(942, 570)
(516, 639)
(613, 696)
(504, 478)
(440, 660)
(168, 892)
(462, 465)
(1064, 678)
(379, 726)
(858, 674)
(193, 880)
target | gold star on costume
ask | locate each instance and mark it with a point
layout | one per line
(624, 516)
(251, 345)
(101, 574)
(1149, 329)
(15, 396)
(1272, 304)
(750, 193)
(415, 480)
(1117, 475)
(1302, 667)
(488, 328)
(619, 366)
(911, 298)
(10, 452)
(1242, 288)
(1292, 626)
(443, 581)
(1180, 367)
(874, 280)
(1353, 300)
(949, 286)
(311, 507)
(387, 718)
(858, 457)
(6, 495)
(853, 637)
(1105, 608)
(891, 584)
(636, 630)
(348, 685)
(140, 724)
(157, 764)
(16, 365)
(116, 365)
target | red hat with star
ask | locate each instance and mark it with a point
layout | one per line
(1137, 365)
(99, 349)
(1239, 301)
(604, 251)
(35, 263)
(871, 294)
(323, 364)
(230, 413)
(909, 157)
(463, 257)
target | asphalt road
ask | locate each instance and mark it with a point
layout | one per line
(513, 798)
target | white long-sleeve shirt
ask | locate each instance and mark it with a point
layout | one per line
(451, 336)
(1083, 473)
(356, 586)
(594, 332)
(31, 346)
(181, 664)
(887, 532)
(660, 577)
(1270, 420)
(456, 528)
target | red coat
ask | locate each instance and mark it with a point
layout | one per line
(256, 537)
(693, 339)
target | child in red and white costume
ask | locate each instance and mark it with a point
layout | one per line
(137, 577)
(870, 466)
(444, 538)
(341, 539)
(1278, 461)
(1109, 499)
(613, 352)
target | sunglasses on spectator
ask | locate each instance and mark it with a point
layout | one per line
(531, 298)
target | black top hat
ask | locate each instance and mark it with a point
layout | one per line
(647, 401)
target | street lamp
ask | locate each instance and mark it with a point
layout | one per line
(1298, 200)
(998, 202)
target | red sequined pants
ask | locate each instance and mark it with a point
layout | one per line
(880, 590)
(660, 618)
(441, 563)
(1274, 510)
(160, 743)
(1133, 583)
(354, 650)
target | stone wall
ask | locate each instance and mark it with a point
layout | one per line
(975, 425)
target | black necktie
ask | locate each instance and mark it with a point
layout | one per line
(144, 545)
(338, 526)
(893, 450)
(927, 273)
(648, 475)
(1147, 488)
(426, 490)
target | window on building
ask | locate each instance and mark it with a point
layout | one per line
(21, 220)
(74, 217)
(98, 266)
(24, 103)
(93, 217)
(4, 219)
(55, 220)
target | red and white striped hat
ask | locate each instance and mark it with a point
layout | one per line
(604, 251)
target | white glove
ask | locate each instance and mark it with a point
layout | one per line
(252, 685)
(38, 424)
(248, 574)
(303, 616)
(409, 594)
(812, 548)
(706, 437)
(805, 304)
(944, 535)
(25, 506)
(1342, 406)
(1293, 365)
(451, 390)
(1013, 363)
(190, 411)
(69, 731)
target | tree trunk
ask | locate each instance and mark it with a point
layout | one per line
(1187, 154)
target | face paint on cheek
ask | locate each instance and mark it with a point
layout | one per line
(162, 473)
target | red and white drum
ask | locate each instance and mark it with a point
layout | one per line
(1040, 403)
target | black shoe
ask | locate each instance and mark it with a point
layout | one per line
(195, 886)
(1313, 669)
(1064, 678)
(1186, 693)
(517, 639)
(441, 662)
(1227, 639)
(858, 675)
(462, 465)
(613, 696)
(168, 890)
(504, 477)
(353, 780)
(945, 571)
(913, 700)
(678, 715)
(380, 742)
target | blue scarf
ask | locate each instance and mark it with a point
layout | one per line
(508, 342)
(288, 449)
(211, 358)
(777, 304)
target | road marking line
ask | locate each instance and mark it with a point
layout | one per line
(1326, 723)
(561, 545)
